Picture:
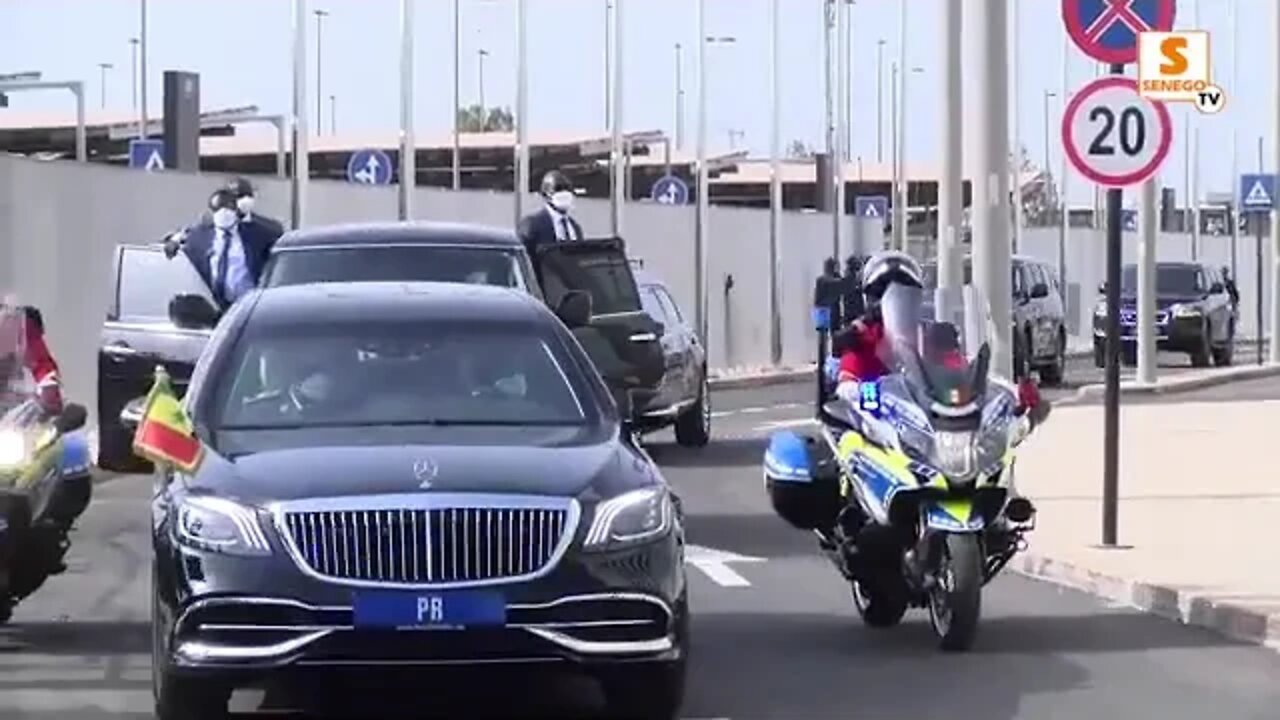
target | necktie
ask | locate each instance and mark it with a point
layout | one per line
(567, 228)
(220, 278)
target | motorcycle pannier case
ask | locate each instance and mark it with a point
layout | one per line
(803, 480)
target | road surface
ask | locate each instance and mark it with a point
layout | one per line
(774, 639)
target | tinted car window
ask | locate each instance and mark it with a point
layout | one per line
(1170, 280)
(653, 305)
(149, 280)
(396, 373)
(605, 276)
(482, 266)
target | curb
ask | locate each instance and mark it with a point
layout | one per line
(1175, 385)
(1233, 620)
(766, 379)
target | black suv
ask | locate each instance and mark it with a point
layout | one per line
(623, 340)
(1195, 314)
(682, 399)
(1039, 317)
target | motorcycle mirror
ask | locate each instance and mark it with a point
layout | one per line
(73, 417)
(131, 415)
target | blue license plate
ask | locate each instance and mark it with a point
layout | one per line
(430, 609)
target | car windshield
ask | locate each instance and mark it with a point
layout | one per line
(1173, 280)
(426, 263)
(398, 373)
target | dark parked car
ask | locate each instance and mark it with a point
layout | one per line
(621, 337)
(1194, 314)
(1039, 317)
(388, 458)
(683, 397)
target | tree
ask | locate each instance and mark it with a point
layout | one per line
(474, 119)
(798, 150)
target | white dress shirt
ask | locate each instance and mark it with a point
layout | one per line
(238, 280)
(564, 227)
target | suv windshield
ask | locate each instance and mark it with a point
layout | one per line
(398, 373)
(1176, 280)
(478, 265)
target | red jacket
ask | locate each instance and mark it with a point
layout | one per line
(39, 361)
(860, 358)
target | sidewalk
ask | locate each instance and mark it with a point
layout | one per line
(1198, 496)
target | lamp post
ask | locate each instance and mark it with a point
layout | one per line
(301, 154)
(898, 130)
(408, 140)
(103, 67)
(880, 100)
(320, 16)
(142, 69)
(457, 99)
(1048, 95)
(133, 71)
(679, 103)
(482, 54)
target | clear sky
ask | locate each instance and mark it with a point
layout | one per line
(241, 49)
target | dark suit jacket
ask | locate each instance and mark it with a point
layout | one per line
(259, 235)
(537, 228)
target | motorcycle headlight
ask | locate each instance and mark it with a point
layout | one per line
(1185, 311)
(220, 525)
(631, 517)
(13, 449)
(954, 454)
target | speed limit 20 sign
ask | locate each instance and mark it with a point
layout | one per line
(1114, 136)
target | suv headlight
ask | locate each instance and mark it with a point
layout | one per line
(631, 517)
(1185, 311)
(219, 525)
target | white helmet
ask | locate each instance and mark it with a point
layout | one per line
(886, 268)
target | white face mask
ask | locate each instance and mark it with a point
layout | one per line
(562, 201)
(245, 204)
(224, 218)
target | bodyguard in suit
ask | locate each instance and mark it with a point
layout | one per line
(228, 254)
(551, 223)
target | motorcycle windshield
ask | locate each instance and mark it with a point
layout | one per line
(939, 341)
(15, 389)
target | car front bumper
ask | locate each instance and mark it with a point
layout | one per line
(250, 616)
(1178, 334)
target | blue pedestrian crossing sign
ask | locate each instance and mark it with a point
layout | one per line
(670, 190)
(873, 206)
(146, 155)
(1257, 193)
(370, 167)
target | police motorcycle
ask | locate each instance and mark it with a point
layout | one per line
(45, 475)
(906, 480)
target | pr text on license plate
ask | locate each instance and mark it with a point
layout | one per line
(455, 609)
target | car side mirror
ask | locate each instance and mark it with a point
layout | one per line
(131, 415)
(193, 311)
(1040, 290)
(73, 417)
(574, 309)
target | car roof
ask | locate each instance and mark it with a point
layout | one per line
(353, 302)
(398, 233)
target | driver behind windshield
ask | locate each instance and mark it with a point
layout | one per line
(859, 344)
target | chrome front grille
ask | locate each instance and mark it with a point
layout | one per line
(428, 539)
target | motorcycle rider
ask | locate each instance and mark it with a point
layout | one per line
(26, 325)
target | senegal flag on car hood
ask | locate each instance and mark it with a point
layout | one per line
(165, 434)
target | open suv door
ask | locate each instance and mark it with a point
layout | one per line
(622, 339)
(137, 336)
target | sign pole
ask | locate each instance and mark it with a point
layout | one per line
(1149, 224)
(1273, 352)
(1257, 258)
(1111, 431)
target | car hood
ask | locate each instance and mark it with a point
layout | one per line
(1162, 302)
(588, 470)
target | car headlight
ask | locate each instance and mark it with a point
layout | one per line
(220, 525)
(1185, 311)
(955, 455)
(631, 517)
(13, 449)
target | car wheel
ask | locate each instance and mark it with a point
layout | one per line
(1223, 356)
(1201, 356)
(693, 427)
(178, 697)
(115, 449)
(1054, 373)
(645, 692)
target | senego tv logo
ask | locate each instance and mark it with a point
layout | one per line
(1175, 67)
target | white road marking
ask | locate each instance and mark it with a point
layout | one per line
(715, 565)
(781, 424)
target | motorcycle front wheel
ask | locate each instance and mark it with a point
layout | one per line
(955, 603)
